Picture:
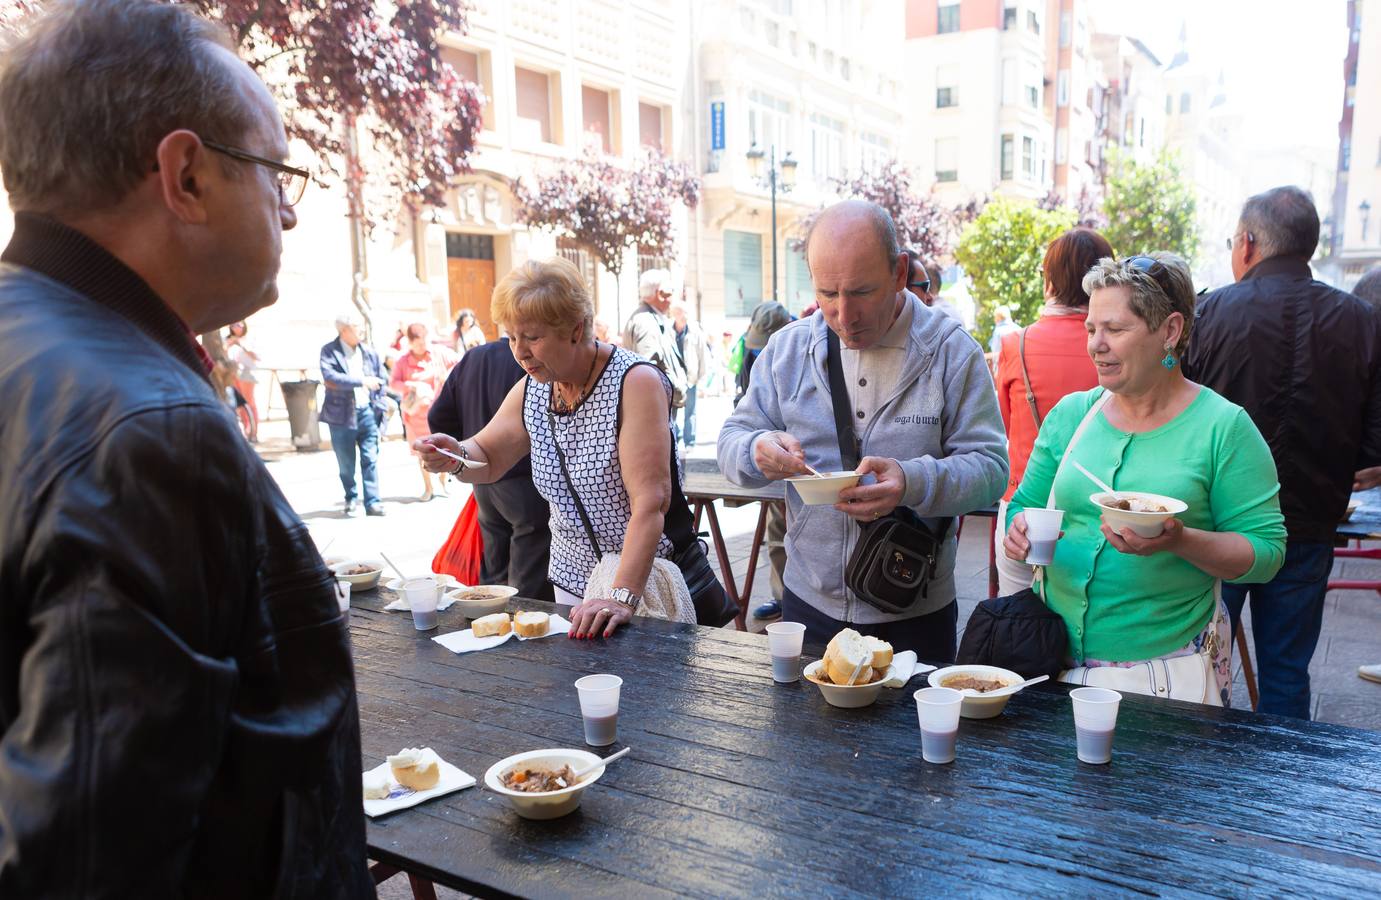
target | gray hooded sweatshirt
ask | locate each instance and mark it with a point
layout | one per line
(940, 422)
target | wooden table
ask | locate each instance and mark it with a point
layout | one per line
(704, 485)
(737, 786)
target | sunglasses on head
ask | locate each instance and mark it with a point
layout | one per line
(1148, 267)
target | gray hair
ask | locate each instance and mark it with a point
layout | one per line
(1167, 288)
(884, 229)
(1282, 222)
(93, 86)
(346, 320)
(651, 281)
(1368, 287)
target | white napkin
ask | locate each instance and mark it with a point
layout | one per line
(465, 641)
(401, 604)
(904, 668)
(452, 779)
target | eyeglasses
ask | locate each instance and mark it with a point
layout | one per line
(292, 182)
(922, 286)
(1148, 267)
(1247, 234)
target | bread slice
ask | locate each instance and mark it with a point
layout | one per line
(849, 658)
(531, 624)
(882, 652)
(375, 786)
(491, 625)
(415, 769)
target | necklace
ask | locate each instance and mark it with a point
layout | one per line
(559, 403)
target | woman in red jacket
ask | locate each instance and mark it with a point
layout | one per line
(1042, 363)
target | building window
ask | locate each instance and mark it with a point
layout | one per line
(769, 122)
(1009, 18)
(742, 272)
(650, 126)
(1032, 86)
(579, 256)
(800, 292)
(533, 91)
(1169, 104)
(946, 86)
(947, 159)
(948, 19)
(474, 68)
(597, 119)
(1033, 22)
(1064, 28)
(469, 246)
(826, 148)
(1184, 102)
(1028, 157)
(1008, 151)
(874, 151)
(812, 51)
(1346, 162)
(1062, 88)
(844, 70)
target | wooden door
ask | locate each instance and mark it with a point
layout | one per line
(472, 285)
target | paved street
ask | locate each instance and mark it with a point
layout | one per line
(412, 531)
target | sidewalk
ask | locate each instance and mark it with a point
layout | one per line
(412, 531)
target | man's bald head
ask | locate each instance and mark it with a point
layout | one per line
(853, 220)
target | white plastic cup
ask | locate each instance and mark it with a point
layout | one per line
(1042, 530)
(343, 595)
(1095, 720)
(421, 594)
(599, 707)
(938, 709)
(784, 640)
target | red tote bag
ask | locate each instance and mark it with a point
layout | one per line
(463, 550)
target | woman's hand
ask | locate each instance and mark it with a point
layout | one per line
(1015, 544)
(433, 461)
(1128, 541)
(595, 618)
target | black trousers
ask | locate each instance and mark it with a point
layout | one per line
(516, 524)
(930, 635)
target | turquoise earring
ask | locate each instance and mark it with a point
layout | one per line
(1169, 361)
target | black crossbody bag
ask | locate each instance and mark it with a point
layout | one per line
(712, 605)
(895, 557)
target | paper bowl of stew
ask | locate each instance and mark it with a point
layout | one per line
(482, 599)
(363, 574)
(1145, 514)
(975, 683)
(532, 782)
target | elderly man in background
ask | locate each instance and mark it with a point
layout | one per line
(354, 409)
(1304, 360)
(926, 426)
(651, 334)
(177, 702)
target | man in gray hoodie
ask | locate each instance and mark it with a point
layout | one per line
(925, 417)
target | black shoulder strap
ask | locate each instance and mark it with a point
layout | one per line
(570, 485)
(849, 453)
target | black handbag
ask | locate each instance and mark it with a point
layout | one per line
(894, 560)
(1017, 632)
(712, 605)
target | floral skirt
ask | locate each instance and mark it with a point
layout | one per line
(1216, 637)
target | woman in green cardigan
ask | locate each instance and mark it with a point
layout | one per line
(1127, 600)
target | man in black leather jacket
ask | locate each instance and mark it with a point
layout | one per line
(1304, 360)
(177, 704)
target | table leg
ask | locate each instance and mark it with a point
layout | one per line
(1248, 675)
(753, 560)
(726, 571)
(992, 558)
(422, 889)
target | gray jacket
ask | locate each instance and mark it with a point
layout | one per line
(941, 423)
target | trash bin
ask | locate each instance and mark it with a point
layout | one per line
(300, 398)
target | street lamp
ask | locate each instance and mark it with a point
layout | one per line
(775, 177)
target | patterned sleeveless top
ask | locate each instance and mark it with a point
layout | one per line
(589, 437)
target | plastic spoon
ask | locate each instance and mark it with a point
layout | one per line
(581, 773)
(1013, 688)
(466, 463)
(401, 576)
(1094, 478)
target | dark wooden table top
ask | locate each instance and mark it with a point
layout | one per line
(701, 479)
(1365, 521)
(737, 786)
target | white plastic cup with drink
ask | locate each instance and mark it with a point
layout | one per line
(1042, 530)
(599, 707)
(784, 640)
(421, 594)
(1095, 719)
(938, 709)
